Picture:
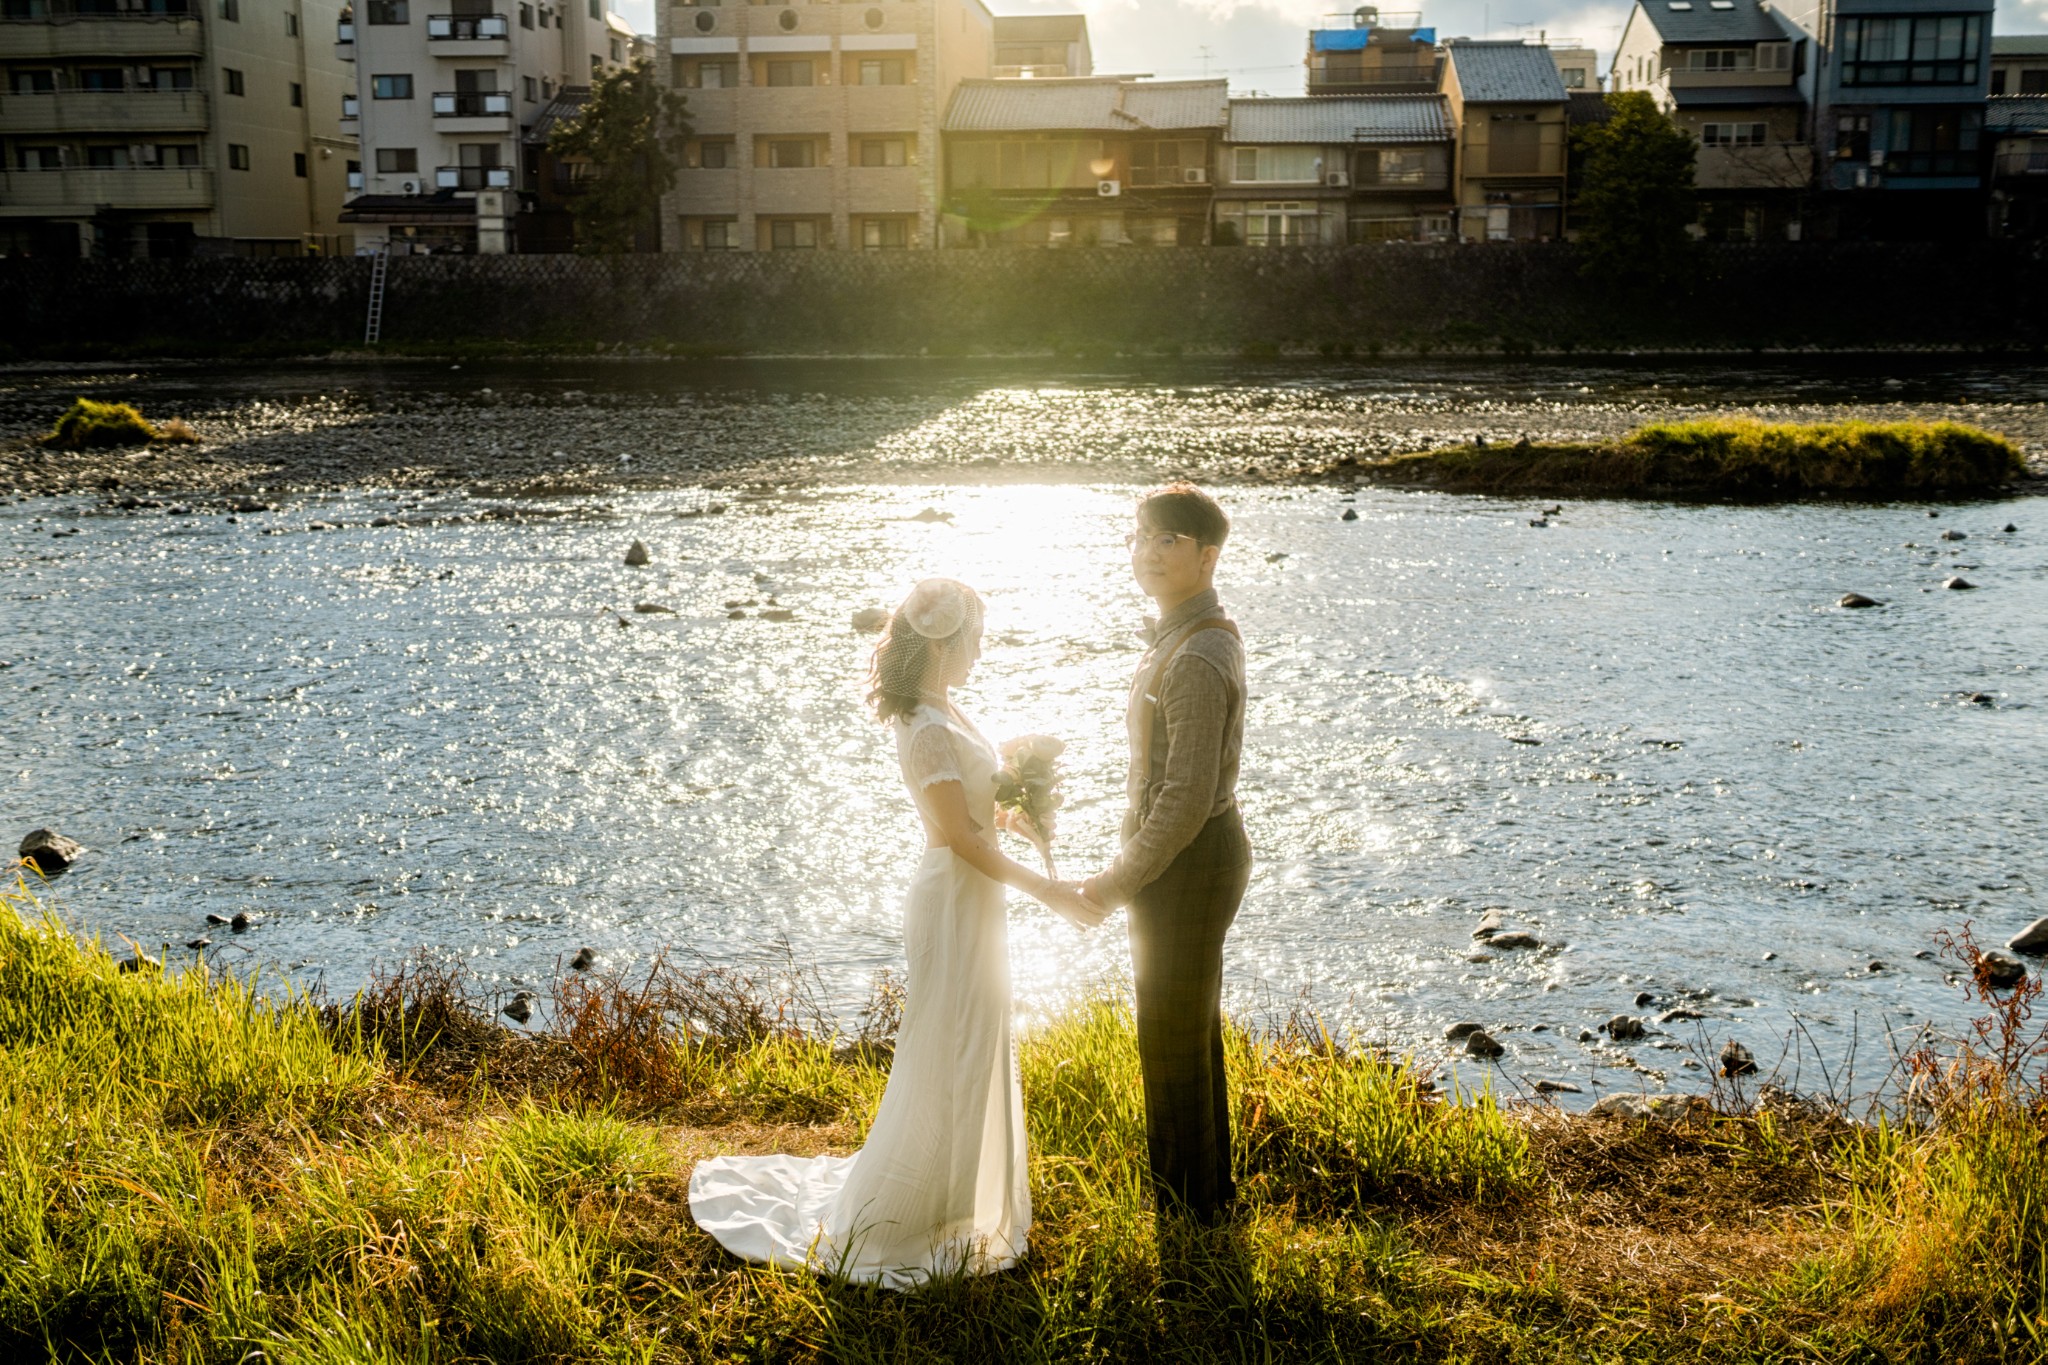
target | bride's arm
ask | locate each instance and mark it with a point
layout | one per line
(947, 804)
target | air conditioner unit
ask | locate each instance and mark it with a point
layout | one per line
(1194, 175)
(1108, 189)
(409, 187)
(1337, 180)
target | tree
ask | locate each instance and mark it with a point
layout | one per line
(1636, 196)
(630, 133)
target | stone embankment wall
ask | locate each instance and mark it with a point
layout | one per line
(1397, 298)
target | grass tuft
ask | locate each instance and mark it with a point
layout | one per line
(88, 425)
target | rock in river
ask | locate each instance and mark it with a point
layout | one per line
(637, 556)
(1514, 940)
(1463, 1029)
(49, 851)
(1489, 925)
(1623, 1027)
(1857, 599)
(1480, 1043)
(517, 1010)
(2032, 940)
(653, 609)
(584, 960)
(1557, 1088)
(1955, 535)
(1736, 1060)
(2002, 969)
(1350, 514)
(1957, 584)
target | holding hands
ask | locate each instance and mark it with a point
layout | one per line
(1071, 903)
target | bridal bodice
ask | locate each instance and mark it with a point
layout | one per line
(937, 745)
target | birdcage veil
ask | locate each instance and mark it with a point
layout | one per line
(939, 617)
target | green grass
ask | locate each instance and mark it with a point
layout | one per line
(193, 1171)
(89, 425)
(1721, 457)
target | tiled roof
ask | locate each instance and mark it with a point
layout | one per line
(1086, 104)
(1733, 96)
(1505, 73)
(1041, 28)
(1341, 118)
(2019, 45)
(1586, 106)
(566, 105)
(1704, 21)
(2016, 114)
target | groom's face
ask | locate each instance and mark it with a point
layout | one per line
(1170, 567)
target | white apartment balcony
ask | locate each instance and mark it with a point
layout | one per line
(473, 111)
(27, 33)
(345, 41)
(87, 191)
(469, 36)
(351, 110)
(104, 111)
(473, 177)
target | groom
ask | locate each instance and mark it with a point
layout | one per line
(1185, 861)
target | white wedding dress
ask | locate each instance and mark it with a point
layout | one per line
(940, 1187)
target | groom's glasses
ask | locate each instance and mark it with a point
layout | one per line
(1162, 542)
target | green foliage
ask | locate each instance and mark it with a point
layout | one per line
(88, 424)
(631, 133)
(1635, 194)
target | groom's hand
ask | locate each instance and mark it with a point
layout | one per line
(1067, 901)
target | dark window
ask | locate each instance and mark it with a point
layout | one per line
(106, 158)
(1933, 141)
(1917, 49)
(881, 71)
(526, 16)
(785, 155)
(792, 234)
(391, 87)
(299, 164)
(476, 82)
(291, 26)
(238, 156)
(99, 78)
(1852, 137)
(398, 160)
(597, 10)
(2034, 82)
(789, 73)
(714, 156)
(721, 234)
(231, 80)
(298, 95)
(530, 88)
(35, 82)
(231, 10)
(884, 151)
(1998, 82)
(388, 12)
(878, 234)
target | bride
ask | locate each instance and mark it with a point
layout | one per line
(939, 1188)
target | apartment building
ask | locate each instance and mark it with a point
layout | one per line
(1039, 45)
(164, 128)
(1335, 169)
(1898, 95)
(1103, 161)
(816, 126)
(1379, 54)
(1578, 67)
(1726, 72)
(1508, 105)
(444, 91)
(2019, 64)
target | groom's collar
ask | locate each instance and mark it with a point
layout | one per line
(1196, 607)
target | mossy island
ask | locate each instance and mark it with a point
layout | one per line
(198, 1172)
(92, 425)
(1724, 459)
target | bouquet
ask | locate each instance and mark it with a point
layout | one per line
(1028, 785)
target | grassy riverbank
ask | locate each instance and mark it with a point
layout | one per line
(194, 1174)
(1732, 458)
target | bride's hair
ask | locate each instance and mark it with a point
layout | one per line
(939, 616)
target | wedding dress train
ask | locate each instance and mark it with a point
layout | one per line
(939, 1188)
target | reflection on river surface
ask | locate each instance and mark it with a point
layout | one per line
(1643, 730)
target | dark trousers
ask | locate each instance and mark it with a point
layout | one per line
(1177, 924)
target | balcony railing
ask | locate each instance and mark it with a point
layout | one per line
(467, 28)
(473, 177)
(472, 103)
(98, 9)
(351, 107)
(140, 110)
(345, 31)
(84, 189)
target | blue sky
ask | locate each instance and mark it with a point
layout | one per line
(1259, 43)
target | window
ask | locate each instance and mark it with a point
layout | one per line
(398, 160)
(238, 156)
(2034, 82)
(171, 78)
(299, 164)
(178, 154)
(1166, 163)
(789, 73)
(100, 78)
(792, 153)
(39, 158)
(231, 80)
(231, 10)
(1054, 163)
(1852, 137)
(298, 95)
(526, 16)
(1774, 56)
(882, 151)
(792, 234)
(389, 12)
(108, 158)
(1574, 77)
(1734, 134)
(291, 25)
(1721, 59)
(884, 234)
(597, 10)
(1283, 165)
(881, 71)
(547, 87)
(1394, 166)
(391, 87)
(699, 73)
(1933, 141)
(35, 82)
(721, 234)
(715, 154)
(1937, 49)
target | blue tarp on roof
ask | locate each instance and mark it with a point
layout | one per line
(1357, 39)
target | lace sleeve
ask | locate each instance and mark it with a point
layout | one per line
(930, 757)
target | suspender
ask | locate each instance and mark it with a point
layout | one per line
(1155, 684)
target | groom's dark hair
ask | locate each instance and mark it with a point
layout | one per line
(1185, 510)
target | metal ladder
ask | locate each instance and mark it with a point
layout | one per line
(373, 326)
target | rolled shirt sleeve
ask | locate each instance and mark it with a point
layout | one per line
(1194, 707)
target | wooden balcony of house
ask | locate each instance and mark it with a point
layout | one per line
(104, 111)
(57, 30)
(87, 190)
(469, 36)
